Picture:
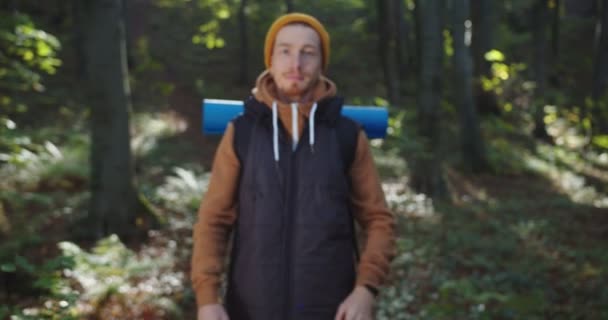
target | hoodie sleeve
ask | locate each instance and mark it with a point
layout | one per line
(216, 216)
(374, 217)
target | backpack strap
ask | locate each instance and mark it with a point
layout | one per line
(348, 136)
(243, 126)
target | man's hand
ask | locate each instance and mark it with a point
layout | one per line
(358, 305)
(212, 312)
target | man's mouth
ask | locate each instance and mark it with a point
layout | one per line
(294, 77)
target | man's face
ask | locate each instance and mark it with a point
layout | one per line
(296, 61)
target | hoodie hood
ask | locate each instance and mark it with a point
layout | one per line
(292, 115)
(266, 92)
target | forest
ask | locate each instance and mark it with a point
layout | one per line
(495, 162)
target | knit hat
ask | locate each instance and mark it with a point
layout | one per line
(296, 18)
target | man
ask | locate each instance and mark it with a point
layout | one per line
(286, 184)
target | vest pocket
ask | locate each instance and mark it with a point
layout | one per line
(330, 207)
(257, 286)
(322, 287)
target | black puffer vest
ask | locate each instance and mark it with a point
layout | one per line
(293, 255)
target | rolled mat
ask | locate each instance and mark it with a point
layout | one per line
(217, 113)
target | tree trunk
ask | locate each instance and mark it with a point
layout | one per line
(401, 43)
(14, 6)
(417, 38)
(540, 15)
(473, 150)
(555, 31)
(427, 176)
(244, 68)
(483, 30)
(289, 5)
(78, 24)
(385, 51)
(600, 74)
(129, 39)
(483, 16)
(114, 199)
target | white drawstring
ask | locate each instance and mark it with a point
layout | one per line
(294, 126)
(311, 126)
(275, 131)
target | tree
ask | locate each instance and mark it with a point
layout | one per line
(472, 143)
(114, 200)
(540, 23)
(427, 176)
(289, 5)
(401, 40)
(555, 30)
(78, 22)
(244, 68)
(386, 45)
(600, 71)
(483, 18)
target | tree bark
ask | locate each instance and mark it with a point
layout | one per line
(483, 16)
(114, 199)
(129, 39)
(555, 31)
(401, 41)
(473, 151)
(600, 73)
(427, 176)
(289, 5)
(540, 16)
(417, 37)
(244, 68)
(483, 30)
(78, 23)
(385, 49)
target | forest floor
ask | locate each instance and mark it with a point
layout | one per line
(524, 242)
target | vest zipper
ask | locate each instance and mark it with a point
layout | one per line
(290, 230)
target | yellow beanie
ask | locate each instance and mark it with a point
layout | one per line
(296, 18)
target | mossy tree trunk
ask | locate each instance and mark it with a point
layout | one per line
(473, 150)
(427, 176)
(115, 204)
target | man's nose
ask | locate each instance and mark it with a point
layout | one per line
(296, 61)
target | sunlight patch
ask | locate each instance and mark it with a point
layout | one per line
(405, 201)
(572, 184)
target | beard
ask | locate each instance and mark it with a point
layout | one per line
(297, 90)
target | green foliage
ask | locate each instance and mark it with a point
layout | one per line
(448, 45)
(113, 274)
(182, 192)
(108, 278)
(25, 53)
(503, 250)
(402, 140)
(40, 184)
(209, 33)
(506, 79)
(29, 163)
(60, 299)
(601, 141)
(504, 158)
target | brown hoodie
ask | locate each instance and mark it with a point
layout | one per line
(218, 210)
